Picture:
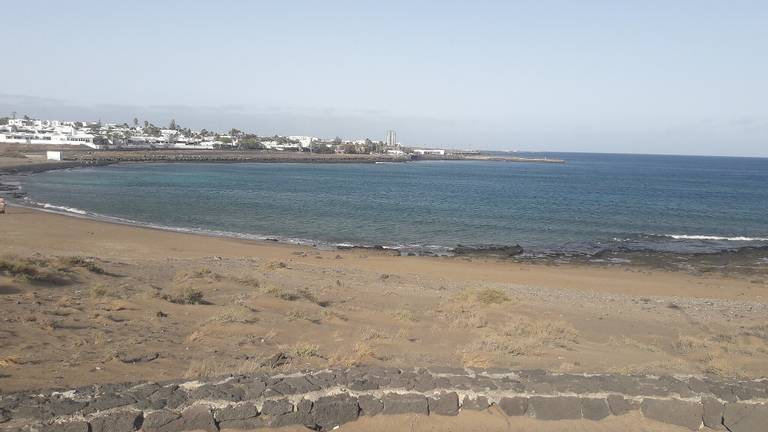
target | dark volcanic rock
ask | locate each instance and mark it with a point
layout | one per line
(64, 406)
(329, 412)
(154, 421)
(514, 406)
(198, 417)
(301, 416)
(673, 411)
(446, 404)
(556, 408)
(408, 403)
(478, 404)
(498, 251)
(369, 405)
(236, 412)
(73, 426)
(713, 413)
(227, 392)
(594, 409)
(109, 401)
(741, 417)
(122, 421)
(276, 407)
(619, 405)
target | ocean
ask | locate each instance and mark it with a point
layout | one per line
(592, 203)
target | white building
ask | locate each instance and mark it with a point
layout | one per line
(305, 141)
(46, 138)
(439, 152)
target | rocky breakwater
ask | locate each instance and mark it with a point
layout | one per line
(226, 156)
(322, 400)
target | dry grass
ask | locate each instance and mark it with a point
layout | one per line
(484, 296)
(523, 337)
(234, 314)
(460, 316)
(82, 262)
(370, 333)
(305, 350)
(276, 265)
(98, 291)
(185, 295)
(686, 345)
(249, 281)
(209, 368)
(627, 341)
(32, 270)
(293, 295)
(360, 352)
(403, 315)
(490, 296)
(550, 332)
(296, 315)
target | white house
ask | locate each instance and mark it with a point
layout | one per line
(439, 152)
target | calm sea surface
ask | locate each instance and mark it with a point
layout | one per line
(593, 202)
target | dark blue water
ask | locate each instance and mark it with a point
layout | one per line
(594, 201)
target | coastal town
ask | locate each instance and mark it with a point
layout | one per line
(144, 135)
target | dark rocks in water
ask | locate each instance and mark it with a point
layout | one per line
(376, 248)
(500, 251)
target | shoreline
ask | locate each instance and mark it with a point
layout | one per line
(481, 263)
(744, 261)
(101, 294)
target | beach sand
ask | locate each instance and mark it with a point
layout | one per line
(85, 301)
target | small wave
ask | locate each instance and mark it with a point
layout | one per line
(716, 238)
(63, 208)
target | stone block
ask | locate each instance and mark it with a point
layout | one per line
(329, 412)
(594, 409)
(154, 421)
(300, 416)
(108, 401)
(369, 405)
(741, 417)
(619, 405)
(681, 413)
(236, 412)
(121, 421)
(479, 403)
(197, 418)
(556, 408)
(408, 403)
(73, 426)
(276, 407)
(446, 404)
(713, 413)
(514, 406)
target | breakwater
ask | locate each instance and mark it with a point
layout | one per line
(322, 400)
(225, 156)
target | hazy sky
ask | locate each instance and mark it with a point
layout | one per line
(668, 76)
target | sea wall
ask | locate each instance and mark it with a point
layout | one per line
(322, 400)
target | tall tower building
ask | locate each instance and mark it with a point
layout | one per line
(391, 138)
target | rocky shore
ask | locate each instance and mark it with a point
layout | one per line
(325, 399)
(225, 156)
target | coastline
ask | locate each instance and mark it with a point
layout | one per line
(740, 261)
(114, 298)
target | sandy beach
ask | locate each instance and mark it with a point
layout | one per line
(86, 301)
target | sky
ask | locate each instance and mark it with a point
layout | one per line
(665, 77)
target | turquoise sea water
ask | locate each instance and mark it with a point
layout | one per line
(593, 202)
